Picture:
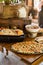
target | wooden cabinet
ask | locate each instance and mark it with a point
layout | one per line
(19, 22)
(4, 23)
(28, 2)
(9, 15)
(11, 22)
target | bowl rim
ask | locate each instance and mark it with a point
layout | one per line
(32, 25)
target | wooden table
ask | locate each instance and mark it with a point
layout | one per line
(25, 59)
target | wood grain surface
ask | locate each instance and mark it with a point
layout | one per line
(24, 59)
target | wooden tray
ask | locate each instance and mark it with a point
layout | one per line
(30, 58)
(10, 38)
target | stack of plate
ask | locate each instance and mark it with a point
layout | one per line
(39, 39)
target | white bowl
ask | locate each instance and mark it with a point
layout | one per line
(32, 31)
(29, 29)
(33, 35)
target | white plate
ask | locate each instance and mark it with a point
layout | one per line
(39, 39)
(41, 30)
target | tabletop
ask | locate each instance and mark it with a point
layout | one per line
(24, 59)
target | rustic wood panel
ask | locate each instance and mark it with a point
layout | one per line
(29, 3)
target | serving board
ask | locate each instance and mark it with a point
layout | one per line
(30, 59)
